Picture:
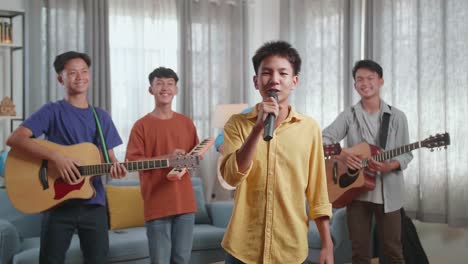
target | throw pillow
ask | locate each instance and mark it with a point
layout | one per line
(125, 206)
(201, 216)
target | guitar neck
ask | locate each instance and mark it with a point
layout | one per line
(91, 170)
(393, 153)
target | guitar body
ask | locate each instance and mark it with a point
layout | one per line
(343, 185)
(26, 190)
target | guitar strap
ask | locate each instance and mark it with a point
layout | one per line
(101, 136)
(384, 129)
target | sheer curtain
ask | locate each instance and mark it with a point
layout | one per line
(59, 26)
(143, 35)
(215, 65)
(423, 48)
(320, 30)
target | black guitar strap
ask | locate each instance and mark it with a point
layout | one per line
(384, 129)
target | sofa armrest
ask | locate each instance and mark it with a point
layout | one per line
(9, 241)
(220, 212)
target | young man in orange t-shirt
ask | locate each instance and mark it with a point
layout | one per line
(169, 205)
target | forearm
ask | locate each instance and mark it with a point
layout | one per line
(246, 153)
(21, 141)
(323, 226)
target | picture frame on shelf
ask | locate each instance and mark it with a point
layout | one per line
(15, 123)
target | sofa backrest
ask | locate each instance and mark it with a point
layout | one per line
(28, 225)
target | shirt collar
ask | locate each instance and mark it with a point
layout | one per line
(384, 107)
(292, 117)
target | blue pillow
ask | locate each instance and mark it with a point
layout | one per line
(201, 216)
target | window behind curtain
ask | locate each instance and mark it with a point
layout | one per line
(423, 49)
(318, 30)
(143, 35)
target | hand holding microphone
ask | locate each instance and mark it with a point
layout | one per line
(270, 120)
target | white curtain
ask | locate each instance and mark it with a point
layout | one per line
(55, 27)
(215, 64)
(319, 31)
(423, 48)
(143, 35)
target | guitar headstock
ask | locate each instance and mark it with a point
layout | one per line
(184, 161)
(437, 141)
(331, 150)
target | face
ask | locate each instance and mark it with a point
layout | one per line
(368, 83)
(164, 90)
(75, 76)
(275, 73)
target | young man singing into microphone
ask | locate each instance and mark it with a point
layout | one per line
(274, 178)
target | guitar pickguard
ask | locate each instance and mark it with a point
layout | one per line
(62, 188)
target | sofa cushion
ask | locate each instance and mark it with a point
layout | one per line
(124, 245)
(201, 216)
(207, 237)
(125, 206)
(128, 244)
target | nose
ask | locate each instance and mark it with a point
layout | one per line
(275, 77)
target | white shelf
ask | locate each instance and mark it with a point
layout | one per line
(10, 117)
(13, 45)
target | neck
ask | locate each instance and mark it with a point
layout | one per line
(283, 114)
(371, 105)
(163, 112)
(79, 101)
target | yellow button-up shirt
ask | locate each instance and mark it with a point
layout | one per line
(269, 223)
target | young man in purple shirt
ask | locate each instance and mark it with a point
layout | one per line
(67, 122)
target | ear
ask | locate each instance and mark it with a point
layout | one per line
(255, 80)
(60, 78)
(295, 82)
(150, 90)
(381, 81)
(176, 90)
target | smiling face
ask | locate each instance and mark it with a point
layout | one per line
(275, 73)
(164, 90)
(368, 83)
(75, 76)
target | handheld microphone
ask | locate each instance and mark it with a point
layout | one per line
(270, 120)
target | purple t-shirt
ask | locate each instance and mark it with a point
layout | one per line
(65, 124)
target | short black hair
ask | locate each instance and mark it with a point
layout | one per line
(62, 59)
(367, 64)
(163, 72)
(277, 48)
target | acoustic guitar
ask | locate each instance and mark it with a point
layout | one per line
(344, 185)
(34, 186)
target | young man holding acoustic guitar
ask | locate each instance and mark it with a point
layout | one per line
(365, 121)
(67, 122)
(275, 178)
(169, 201)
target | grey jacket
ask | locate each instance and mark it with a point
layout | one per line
(347, 124)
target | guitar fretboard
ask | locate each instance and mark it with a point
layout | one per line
(392, 153)
(90, 170)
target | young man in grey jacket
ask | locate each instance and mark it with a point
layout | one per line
(363, 122)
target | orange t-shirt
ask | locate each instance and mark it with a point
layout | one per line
(152, 137)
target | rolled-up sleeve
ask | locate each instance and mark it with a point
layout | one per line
(317, 194)
(233, 140)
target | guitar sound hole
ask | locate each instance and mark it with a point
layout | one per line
(348, 178)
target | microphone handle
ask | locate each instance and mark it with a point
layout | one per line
(269, 127)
